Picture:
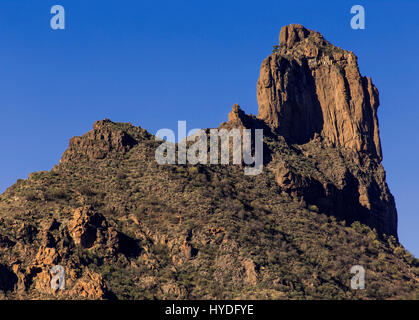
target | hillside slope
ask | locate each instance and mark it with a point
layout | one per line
(125, 227)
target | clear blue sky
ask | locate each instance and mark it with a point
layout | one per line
(155, 62)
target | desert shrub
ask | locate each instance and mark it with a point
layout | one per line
(56, 194)
(121, 176)
(30, 195)
(314, 208)
(86, 190)
(193, 170)
(38, 175)
(362, 228)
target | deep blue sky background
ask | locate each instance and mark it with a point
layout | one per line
(155, 62)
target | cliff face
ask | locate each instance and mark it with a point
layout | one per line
(311, 87)
(310, 90)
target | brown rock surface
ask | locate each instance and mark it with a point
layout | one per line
(84, 226)
(90, 286)
(251, 274)
(311, 86)
(99, 142)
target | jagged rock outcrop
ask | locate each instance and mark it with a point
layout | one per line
(89, 228)
(311, 93)
(237, 118)
(90, 286)
(310, 86)
(99, 142)
(296, 184)
(348, 192)
(85, 226)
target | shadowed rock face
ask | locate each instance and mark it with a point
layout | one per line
(311, 93)
(311, 86)
(347, 184)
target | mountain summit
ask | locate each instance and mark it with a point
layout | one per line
(310, 86)
(310, 90)
(121, 226)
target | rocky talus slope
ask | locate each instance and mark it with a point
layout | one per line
(125, 227)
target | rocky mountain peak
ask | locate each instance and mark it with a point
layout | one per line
(293, 33)
(310, 86)
(106, 138)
